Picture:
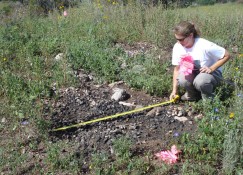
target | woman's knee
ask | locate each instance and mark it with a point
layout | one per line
(185, 81)
(204, 82)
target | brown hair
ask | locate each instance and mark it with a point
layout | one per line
(185, 28)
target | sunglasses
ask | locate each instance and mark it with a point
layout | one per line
(181, 39)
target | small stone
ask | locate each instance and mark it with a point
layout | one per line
(172, 121)
(179, 114)
(199, 116)
(132, 127)
(111, 85)
(97, 86)
(123, 65)
(126, 104)
(158, 111)
(190, 122)
(169, 112)
(174, 113)
(121, 126)
(3, 120)
(143, 142)
(79, 101)
(23, 151)
(190, 113)
(111, 150)
(169, 132)
(138, 106)
(59, 57)
(151, 112)
(93, 103)
(181, 119)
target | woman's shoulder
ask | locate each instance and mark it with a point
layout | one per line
(178, 48)
(202, 42)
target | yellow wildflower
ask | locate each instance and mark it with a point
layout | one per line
(241, 55)
(99, 5)
(4, 59)
(105, 17)
(204, 150)
(232, 115)
(236, 68)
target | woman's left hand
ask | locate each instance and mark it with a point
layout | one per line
(206, 70)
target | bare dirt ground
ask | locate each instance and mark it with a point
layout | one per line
(150, 130)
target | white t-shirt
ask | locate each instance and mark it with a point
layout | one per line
(203, 52)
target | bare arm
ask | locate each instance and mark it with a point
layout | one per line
(175, 82)
(216, 65)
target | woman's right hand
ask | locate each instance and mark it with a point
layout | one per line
(172, 95)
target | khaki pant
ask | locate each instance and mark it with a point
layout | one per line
(203, 84)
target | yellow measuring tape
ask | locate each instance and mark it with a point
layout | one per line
(116, 115)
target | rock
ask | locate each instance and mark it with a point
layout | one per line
(155, 111)
(121, 126)
(124, 65)
(3, 120)
(111, 85)
(174, 113)
(132, 126)
(158, 111)
(119, 94)
(126, 104)
(181, 119)
(179, 114)
(59, 57)
(169, 113)
(199, 116)
(151, 112)
(111, 150)
(138, 106)
(79, 101)
(190, 113)
(93, 103)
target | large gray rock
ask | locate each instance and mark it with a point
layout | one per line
(119, 95)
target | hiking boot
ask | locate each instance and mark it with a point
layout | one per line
(187, 97)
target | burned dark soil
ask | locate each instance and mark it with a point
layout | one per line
(150, 130)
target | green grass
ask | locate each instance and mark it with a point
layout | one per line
(87, 37)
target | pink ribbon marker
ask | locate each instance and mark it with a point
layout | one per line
(186, 65)
(65, 13)
(169, 156)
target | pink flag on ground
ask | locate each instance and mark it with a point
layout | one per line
(186, 65)
(65, 13)
(169, 156)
